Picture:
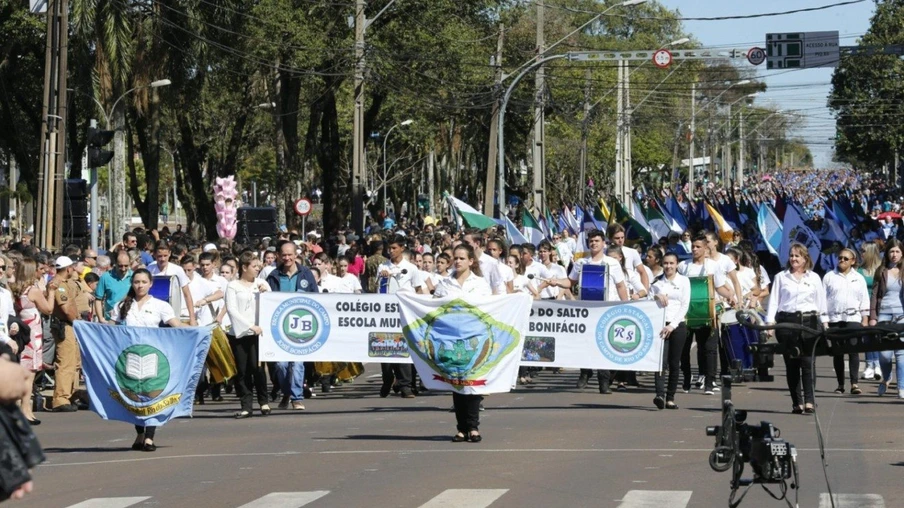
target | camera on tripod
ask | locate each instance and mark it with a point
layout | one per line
(770, 457)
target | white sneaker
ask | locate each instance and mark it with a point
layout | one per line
(700, 381)
(709, 392)
(716, 389)
(868, 373)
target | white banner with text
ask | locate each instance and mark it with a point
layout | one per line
(367, 328)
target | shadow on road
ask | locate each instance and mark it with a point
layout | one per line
(385, 437)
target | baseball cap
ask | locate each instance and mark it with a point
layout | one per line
(62, 262)
(209, 247)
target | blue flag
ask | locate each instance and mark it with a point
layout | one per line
(143, 376)
(770, 228)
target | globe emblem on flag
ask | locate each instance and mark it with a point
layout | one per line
(300, 325)
(624, 334)
(460, 342)
(142, 373)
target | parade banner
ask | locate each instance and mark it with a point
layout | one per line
(141, 375)
(467, 344)
(367, 328)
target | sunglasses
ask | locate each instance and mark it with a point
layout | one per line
(845, 258)
(2, 267)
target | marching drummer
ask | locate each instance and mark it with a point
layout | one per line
(616, 290)
(707, 341)
(672, 291)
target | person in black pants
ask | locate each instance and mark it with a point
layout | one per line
(847, 300)
(240, 305)
(672, 291)
(798, 297)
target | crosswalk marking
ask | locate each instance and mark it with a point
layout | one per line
(286, 499)
(110, 502)
(465, 498)
(852, 501)
(656, 499)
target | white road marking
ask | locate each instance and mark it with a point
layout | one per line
(852, 501)
(465, 498)
(656, 499)
(286, 499)
(110, 502)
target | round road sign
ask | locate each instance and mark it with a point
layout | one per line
(303, 207)
(662, 58)
(756, 56)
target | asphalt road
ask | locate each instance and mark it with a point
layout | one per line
(546, 444)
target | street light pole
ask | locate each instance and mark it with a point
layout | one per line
(385, 139)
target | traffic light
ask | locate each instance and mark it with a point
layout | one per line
(97, 156)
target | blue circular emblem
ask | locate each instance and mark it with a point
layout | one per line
(624, 334)
(303, 283)
(300, 325)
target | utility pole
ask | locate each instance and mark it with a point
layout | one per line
(358, 122)
(490, 191)
(430, 186)
(585, 131)
(726, 151)
(539, 151)
(619, 130)
(690, 156)
(49, 221)
(742, 156)
(627, 165)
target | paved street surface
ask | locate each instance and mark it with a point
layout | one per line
(544, 445)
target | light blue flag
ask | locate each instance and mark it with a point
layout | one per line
(770, 228)
(514, 236)
(141, 375)
(794, 231)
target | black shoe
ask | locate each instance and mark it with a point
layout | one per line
(408, 394)
(65, 408)
(385, 389)
(605, 390)
(265, 410)
(671, 405)
(243, 414)
(659, 402)
(229, 390)
(138, 445)
(34, 422)
(582, 382)
(481, 407)
(307, 393)
(218, 398)
(459, 438)
(475, 438)
(149, 447)
(81, 406)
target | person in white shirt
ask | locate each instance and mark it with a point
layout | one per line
(799, 297)
(162, 266)
(726, 265)
(563, 250)
(617, 290)
(520, 283)
(139, 308)
(241, 305)
(466, 279)
(348, 283)
(328, 282)
(535, 272)
(847, 301)
(633, 263)
(553, 271)
(497, 250)
(489, 266)
(707, 340)
(401, 275)
(442, 263)
(269, 263)
(636, 289)
(673, 292)
(203, 292)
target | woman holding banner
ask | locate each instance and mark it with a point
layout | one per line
(241, 300)
(672, 291)
(466, 278)
(139, 308)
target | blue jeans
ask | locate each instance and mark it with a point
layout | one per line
(885, 360)
(290, 376)
(872, 359)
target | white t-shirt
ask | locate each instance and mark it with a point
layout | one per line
(614, 272)
(151, 314)
(265, 272)
(747, 279)
(554, 271)
(489, 267)
(171, 270)
(632, 258)
(348, 283)
(405, 276)
(473, 285)
(200, 288)
(709, 267)
(519, 284)
(506, 271)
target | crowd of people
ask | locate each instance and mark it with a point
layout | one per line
(218, 283)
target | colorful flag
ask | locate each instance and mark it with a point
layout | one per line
(675, 211)
(511, 232)
(634, 231)
(470, 215)
(143, 376)
(795, 231)
(601, 217)
(571, 221)
(659, 228)
(466, 344)
(551, 224)
(770, 228)
(531, 228)
(724, 229)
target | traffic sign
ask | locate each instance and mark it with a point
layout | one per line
(662, 58)
(756, 56)
(303, 207)
(802, 50)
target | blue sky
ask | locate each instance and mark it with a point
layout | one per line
(803, 91)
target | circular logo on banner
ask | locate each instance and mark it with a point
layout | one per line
(300, 326)
(624, 335)
(142, 373)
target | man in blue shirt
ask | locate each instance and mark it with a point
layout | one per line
(291, 277)
(113, 286)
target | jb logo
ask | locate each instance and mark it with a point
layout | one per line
(300, 325)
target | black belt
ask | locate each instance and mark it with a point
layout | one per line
(811, 313)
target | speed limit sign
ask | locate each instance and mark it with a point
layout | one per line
(662, 58)
(756, 56)
(303, 207)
